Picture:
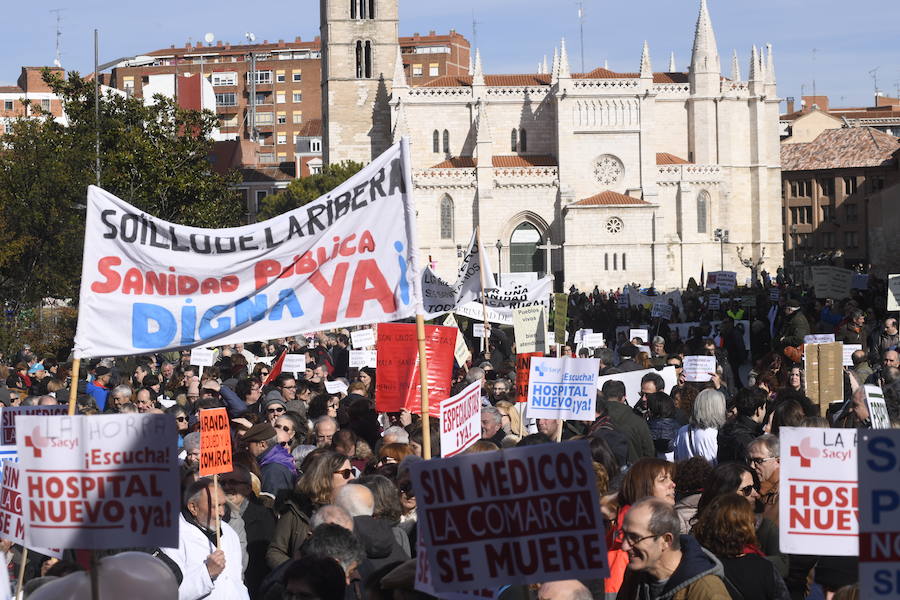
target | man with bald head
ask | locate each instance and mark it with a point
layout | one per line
(333, 514)
(889, 338)
(570, 589)
(377, 535)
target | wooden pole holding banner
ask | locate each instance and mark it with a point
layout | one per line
(21, 580)
(73, 392)
(95, 576)
(423, 380)
(215, 510)
(486, 338)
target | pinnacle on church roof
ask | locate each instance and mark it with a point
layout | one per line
(471, 64)
(770, 64)
(646, 69)
(705, 54)
(554, 70)
(482, 127)
(399, 73)
(563, 61)
(735, 67)
(672, 67)
(755, 66)
(544, 66)
(478, 73)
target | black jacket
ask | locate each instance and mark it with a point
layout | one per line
(377, 537)
(259, 523)
(633, 427)
(752, 576)
(734, 437)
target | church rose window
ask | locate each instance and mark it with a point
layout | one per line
(608, 169)
(615, 225)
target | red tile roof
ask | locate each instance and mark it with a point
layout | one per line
(848, 147)
(531, 80)
(311, 128)
(11, 89)
(664, 158)
(283, 172)
(851, 113)
(507, 161)
(608, 198)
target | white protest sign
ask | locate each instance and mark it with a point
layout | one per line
(339, 261)
(563, 388)
(832, 282)
(632, 381)
(817, 508)
(530, 325)
(819, 338)
(501, 302)
(724, 281)
(461, 352)
(336, 387)
(294, 363)
(103, 481)
(8, 416)
(423, 579)
(878, 413)
(849, 349)
(579, 335)
(699, 368)
(592, 340)
(893, 293)
(12, 499)
(203, 357)
(363, 358)
(478, 330)
(879, 514)
(641, 334)
(645, 349)
(662, 310)
(482, 514)
(461, 420)
(714, 302)
(362, 338)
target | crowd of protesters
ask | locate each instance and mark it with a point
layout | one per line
(320, 503)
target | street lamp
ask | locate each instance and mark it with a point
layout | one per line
(721, 236)
(499, 246)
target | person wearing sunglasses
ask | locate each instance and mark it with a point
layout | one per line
(181, 421)
(325, 472)
(275, 463)
(274, 408)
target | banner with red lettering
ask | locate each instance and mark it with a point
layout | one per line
(817, 504)
(398, 385)
(344, 259)
(879, 514)
(215, 442)
(12, 525)
(523, 373)
(104, 481)
(461, 420)
(524, 515)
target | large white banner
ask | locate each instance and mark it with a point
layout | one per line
(104, 481)
(440, 298)
(818, 508)
(345, 259)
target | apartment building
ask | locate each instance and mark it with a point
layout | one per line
(28, 97)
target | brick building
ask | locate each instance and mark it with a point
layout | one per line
(841, 199)
(884, 116)
(29, 87)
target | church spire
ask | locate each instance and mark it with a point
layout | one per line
(646, 69)
(672, 67)
(563, 61)
(399, 73)
(755, 66)
(705, 54)
(477, 73)
(544, 65)
(735, 67)
(770, 64)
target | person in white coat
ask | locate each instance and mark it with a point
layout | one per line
(700, 436)
(207, 572)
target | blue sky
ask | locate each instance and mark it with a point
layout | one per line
(513, 34)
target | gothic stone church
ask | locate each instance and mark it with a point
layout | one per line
(632, 173)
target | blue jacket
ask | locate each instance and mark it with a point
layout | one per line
(99, 393)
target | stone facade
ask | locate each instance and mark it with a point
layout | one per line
(631, 172)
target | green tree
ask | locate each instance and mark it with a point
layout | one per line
(305, 190)
(154, 157)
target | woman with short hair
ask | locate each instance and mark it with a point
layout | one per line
(700, 437)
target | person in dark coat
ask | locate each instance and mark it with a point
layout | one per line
(279, 472)
(259, 524)
(796, 326)
(624, 420)
(736, 435)
(663, 424)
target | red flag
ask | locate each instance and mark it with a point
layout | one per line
(275, 371)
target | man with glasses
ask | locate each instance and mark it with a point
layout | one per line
(276, 464)
(661, 562)
(274, 408)
(324, 429)
(763, 455)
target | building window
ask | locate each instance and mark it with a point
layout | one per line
(417, 70)
(297, 97)
(851, 239)
(852, 213)
(524, 255)
(446, 218)
(282, 118)
(850, 185)
(45, 106)
(262, 98)
(433, 70)
(282, 138)
(315, 145)
(801, 189)
(876, 182)
(827, 212)
(523, 141)
(297, 76)
(363, 59)
(702, 211)
(297, 116)
(262, 77)
(228, 120)
(801, 215)
(265, 118)
(225, 78)
(615, 262)
(446, 142)
(353, 7)
(266, 157)
(623, 261)
(259, 197)
(606, 262)
(8, 104)
(315, 169)
(279, 98)
(828, 239)
(514, 140)
(362, 9)
(827, 186)
(226, 99)
(436, 141)
(279, 76)
(296, 137)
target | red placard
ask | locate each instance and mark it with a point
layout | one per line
(398, 385)
(215, 442)
(523, 373)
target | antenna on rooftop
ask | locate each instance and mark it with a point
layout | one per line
(814, 50)
(581, 27)
(475, 25)
(874, 74)
(57, 61)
